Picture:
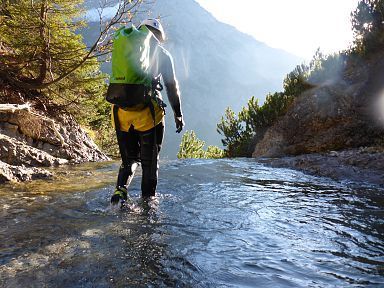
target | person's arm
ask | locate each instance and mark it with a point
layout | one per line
(167, 71)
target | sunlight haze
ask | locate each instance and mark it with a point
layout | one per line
(297, 26)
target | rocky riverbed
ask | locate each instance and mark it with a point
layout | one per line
(361, 165)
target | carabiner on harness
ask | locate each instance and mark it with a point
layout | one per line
(156, 88)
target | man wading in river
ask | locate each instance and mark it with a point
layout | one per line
(138, 64)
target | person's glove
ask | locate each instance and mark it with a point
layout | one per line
(179, 124)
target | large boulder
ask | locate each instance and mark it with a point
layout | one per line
(61, 136)
(30, 138)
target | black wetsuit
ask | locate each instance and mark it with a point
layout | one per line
(137, 146)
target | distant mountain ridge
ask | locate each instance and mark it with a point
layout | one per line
(217, 66)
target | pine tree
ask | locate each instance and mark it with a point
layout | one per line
(214, 152)
(368, 26)
(191, 146)
(45, 49)
(42, 53)
(231, 128)
(46, 54)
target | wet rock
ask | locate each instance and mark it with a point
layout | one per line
(15, 152)
(353, 164)
(39, 130)
(12, 129)
(33, 125)
(31, 138)
(21, 173)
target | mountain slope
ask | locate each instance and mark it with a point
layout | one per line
(217, 66)
(340, 113)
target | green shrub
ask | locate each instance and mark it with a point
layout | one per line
(192, 147)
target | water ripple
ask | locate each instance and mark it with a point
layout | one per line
(215, 223)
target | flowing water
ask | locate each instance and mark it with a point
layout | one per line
(215, 223)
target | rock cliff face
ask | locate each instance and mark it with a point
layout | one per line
(32, 137)
(338, 114)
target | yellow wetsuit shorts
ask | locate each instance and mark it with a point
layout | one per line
(140, 120)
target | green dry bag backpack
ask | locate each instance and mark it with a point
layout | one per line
(131, 81)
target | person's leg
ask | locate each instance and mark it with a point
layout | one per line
(150, 146)
(130, 153)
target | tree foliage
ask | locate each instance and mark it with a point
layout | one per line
(240, 130)
(307, 76)
(214, 152)
(233, 131)
(260, 117)
(296, 82)
(192, 147)
(42, 53)
(46, 51)
(368, 26)
(229, 127)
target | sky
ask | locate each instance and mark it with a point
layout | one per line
(296, 26)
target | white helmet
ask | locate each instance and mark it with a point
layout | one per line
(154, 23)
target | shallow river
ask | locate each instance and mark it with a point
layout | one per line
(215, 223)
